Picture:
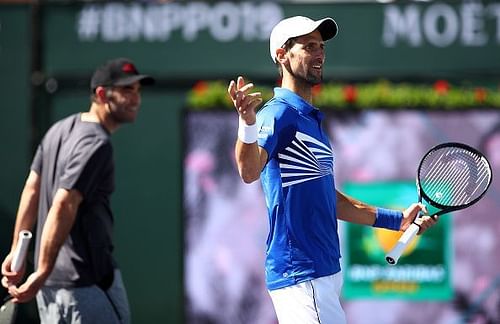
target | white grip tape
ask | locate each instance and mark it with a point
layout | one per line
(21, 250)
(393, 256)
(247, 133)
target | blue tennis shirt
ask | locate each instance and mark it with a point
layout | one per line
(299, 188)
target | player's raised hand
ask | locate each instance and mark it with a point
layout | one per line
(244, 101)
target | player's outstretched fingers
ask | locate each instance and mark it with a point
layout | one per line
(240, 82)
(247, 87)
(231, 90)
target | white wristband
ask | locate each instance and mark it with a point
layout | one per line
(247, 133)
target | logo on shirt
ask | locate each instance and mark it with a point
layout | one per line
(265, 131)
(305, 159)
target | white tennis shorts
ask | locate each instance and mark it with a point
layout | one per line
(312, 302)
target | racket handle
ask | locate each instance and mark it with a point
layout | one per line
(21, 249)
(393, 256)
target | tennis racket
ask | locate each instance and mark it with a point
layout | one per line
(450, 177)
(8, 310)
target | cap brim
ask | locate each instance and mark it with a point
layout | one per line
(328, 28)
(143, 79)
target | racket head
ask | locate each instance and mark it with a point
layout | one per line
(453, 176)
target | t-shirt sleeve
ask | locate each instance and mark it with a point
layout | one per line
(36, 164)
(277, 127)
(86, 167)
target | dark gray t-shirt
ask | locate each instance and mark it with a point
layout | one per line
(78, 155)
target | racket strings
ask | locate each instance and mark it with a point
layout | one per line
(454, 176)
(460, 182)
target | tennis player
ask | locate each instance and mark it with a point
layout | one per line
(285, 146)
(67, 194)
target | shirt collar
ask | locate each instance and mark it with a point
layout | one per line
(294, 100)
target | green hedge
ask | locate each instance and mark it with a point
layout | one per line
(207, 95)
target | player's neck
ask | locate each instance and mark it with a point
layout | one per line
(99, 113)
(301, 89)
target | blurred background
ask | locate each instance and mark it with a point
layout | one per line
(400, 77)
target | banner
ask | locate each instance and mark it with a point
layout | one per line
(423, 271)
(207, 40)
(376, 159)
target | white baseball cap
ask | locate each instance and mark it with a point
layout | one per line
(298, 26)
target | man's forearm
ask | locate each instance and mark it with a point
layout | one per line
(248, 161)
(28, 207)
(354, 211)
(57, 227)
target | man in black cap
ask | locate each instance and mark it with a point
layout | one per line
(67, 194)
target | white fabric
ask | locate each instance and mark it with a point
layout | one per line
(298, 26)
(312, 302)
(247, 133)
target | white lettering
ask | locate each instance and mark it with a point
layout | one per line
(114, 22)
(441, 24)
(405, 25)
(88, 23)
(494, 11)
(446, 14)
(409, 273)
(135, 23)
(268, 15)
(223, 21)
(225, 24)
(195, 20)
(159, 21)
(473, 33)
(250, 28)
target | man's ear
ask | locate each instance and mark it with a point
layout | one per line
(101, 94)
(280, 55)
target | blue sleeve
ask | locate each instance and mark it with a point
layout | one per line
(277, 124)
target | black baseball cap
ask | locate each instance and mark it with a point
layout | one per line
(118, 72)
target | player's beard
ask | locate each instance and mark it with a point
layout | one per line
(306, 77)
(122, 112)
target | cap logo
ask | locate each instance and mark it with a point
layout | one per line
(129, 68)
